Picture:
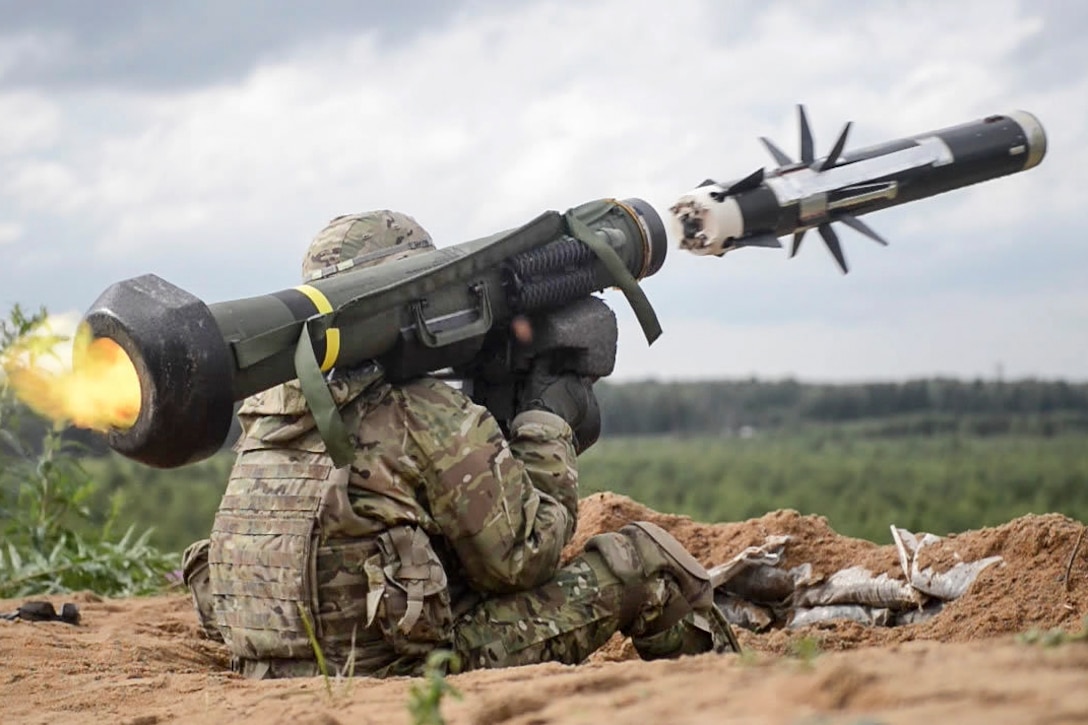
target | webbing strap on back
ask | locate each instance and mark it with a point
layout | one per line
(320, 402)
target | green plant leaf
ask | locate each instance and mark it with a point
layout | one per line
(13, 443)
(13, 556)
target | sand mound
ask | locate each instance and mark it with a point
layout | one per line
(1028, 590)
(143, 661)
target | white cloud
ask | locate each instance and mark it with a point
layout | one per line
(28, 123)
(482, 124)
(46, 186)
(10, 232)
(951, 335)
(27, 47)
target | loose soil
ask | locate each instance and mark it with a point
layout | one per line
(143, 661)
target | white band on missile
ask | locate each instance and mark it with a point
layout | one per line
(942, 155)
(719, 222)
(799, 183)
(1035, 134)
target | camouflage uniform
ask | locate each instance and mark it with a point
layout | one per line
(441, 534)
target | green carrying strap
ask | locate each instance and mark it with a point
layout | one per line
(621, 276)
(318, 398)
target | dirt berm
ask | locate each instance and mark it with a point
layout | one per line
(142, 661)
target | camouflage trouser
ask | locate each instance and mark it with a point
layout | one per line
(570, 617)
(564, 620)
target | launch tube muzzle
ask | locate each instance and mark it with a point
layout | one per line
(183, 364)
(423, 313)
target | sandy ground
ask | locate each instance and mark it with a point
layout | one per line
(143, 661)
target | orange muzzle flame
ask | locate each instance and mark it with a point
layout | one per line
(97, 389)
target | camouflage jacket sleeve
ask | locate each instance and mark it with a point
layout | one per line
(507, 508)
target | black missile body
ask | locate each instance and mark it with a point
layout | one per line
(811, 193)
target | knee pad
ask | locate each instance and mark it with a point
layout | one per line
(640, 554)
(656, 570)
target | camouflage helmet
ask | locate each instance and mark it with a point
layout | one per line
(363, 240)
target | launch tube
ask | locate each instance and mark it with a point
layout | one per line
(426, 312)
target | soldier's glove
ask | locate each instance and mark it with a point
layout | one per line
(567, 395)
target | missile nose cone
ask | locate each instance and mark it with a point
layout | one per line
(1036, 136)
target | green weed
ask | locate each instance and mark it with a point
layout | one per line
(44, 513)
(425, 699)
(319, 654)
(1054, 637)
(805, 650)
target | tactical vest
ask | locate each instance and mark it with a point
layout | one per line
(284, 529)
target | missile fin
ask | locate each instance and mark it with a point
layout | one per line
(829, 162)
(749, 182)
(861, 227)
(779, 156)
(797, 237)
(831, 239)
(807, 148)
(759, 240)
(707, 182)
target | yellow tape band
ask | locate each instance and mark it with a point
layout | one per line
(332, 348)
(332, 336)
(321, 302)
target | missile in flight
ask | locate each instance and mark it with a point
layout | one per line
(813, 193)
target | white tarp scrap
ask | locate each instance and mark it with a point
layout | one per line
(946, 585)
(755, 592)
(857, 585)
(875, 616)
(768, 554)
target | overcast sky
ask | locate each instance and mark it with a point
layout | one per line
(207, 141)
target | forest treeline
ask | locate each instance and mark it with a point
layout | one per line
(933, 406)
(862, 484)
(925, 406)
(939, 455)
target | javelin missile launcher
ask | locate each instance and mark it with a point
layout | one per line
(796, 196)
(450, 308)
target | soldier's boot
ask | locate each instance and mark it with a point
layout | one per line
(195, 575)
(668, 599)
